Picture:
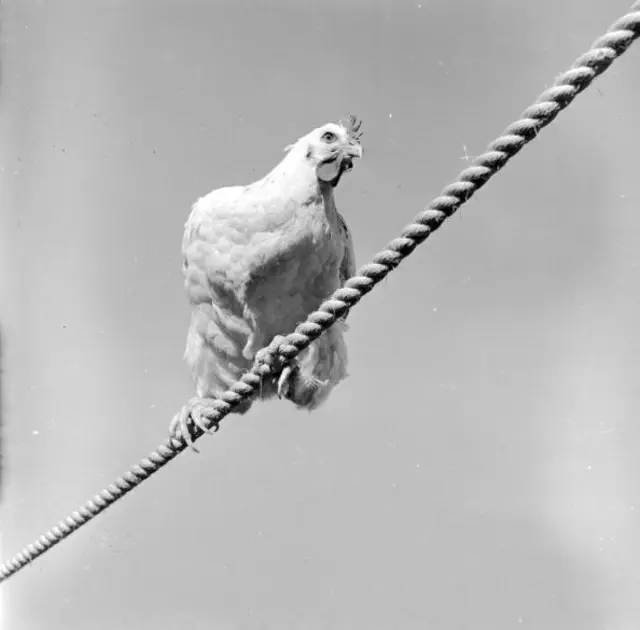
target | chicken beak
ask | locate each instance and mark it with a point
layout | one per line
(354, 150)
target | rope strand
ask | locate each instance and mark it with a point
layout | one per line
(604, 51)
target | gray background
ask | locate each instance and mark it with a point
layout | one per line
(478, 469)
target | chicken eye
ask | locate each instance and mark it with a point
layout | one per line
(329, 136)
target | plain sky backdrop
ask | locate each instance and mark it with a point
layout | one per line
(478, 470)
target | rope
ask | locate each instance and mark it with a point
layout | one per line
(549, 104)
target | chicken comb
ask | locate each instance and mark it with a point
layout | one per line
(352, 125)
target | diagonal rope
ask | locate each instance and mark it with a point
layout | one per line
(549, 104)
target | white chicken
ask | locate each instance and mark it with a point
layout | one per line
(257, 260)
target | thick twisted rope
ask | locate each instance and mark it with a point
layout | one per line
(548, 105)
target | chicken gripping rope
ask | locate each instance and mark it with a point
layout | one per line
(257, 260)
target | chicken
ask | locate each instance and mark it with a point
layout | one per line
(257, 260)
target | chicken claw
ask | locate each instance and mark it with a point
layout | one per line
(193, 417)
(284, 382)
